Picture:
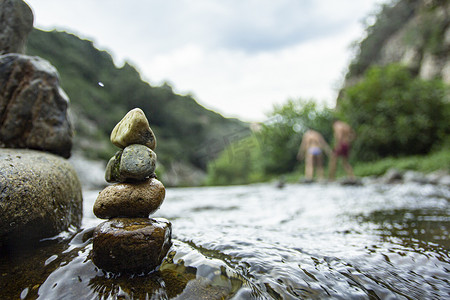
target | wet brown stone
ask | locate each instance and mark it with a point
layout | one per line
(131, 245)
(130, 199)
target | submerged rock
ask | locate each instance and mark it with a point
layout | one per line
(40, 196)
(16, 18)
(131, 245)
(63, 269)
(133, 163)
(133, 129)
(130, 199)
(33, 107)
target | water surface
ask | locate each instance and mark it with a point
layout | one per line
(314, 241)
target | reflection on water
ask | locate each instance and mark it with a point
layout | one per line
(248, 242)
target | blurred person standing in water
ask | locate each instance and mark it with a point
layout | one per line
(311, 149)
(343, 137)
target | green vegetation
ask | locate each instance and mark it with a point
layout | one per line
(439, 160)
(102, 93)
(395, 114)
(270, 150)
(401, 121)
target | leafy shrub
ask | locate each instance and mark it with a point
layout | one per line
(395, 114)
(272, 149)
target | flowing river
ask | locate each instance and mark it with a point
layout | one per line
(315, 241)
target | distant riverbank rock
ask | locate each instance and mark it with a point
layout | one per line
(131, 245)
(16, 18)
(394, 176)
(40, 196)
(33, 107)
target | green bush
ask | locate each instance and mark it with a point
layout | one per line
(272, 149)
(281, 137)
(439, 160)
(395, 114)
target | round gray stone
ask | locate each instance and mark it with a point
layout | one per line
(40, 196)
(133, 163)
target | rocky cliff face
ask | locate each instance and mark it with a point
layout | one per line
(420, 40)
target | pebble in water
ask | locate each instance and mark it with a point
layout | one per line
(130, 241)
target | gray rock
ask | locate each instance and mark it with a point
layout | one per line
(33, 107)
(131, 245)
(133, 163)
(444, 180)
(392, 176)
(16, 20)
(40, 196)
(416, 177)
(137, 162)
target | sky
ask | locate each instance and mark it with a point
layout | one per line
(237, 57)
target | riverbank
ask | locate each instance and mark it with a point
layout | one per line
(432, 163)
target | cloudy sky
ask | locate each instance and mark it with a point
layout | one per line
(237, 57)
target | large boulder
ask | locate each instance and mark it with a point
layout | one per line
(40, 196)
(16, 20)
(33, 107)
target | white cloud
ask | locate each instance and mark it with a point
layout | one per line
(237, 57)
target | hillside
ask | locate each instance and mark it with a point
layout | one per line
(414, 33)
(188, 134)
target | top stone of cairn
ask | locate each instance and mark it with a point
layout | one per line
(133, 129)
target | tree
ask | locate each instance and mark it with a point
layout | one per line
(395, 114)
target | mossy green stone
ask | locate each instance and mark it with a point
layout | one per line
(132, 164)
(133, 129)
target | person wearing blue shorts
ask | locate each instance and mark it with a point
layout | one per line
(311, 149)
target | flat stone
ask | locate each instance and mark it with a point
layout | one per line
(131, 245)
(40, 196)
(133, 129)
(130, 199)
(134, 163)
(16, 18)
(33, 107)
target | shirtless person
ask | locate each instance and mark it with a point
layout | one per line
(311, 148)
(343, 137)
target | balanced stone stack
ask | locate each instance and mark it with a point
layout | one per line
(130, 241)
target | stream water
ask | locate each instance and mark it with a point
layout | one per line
(315, 241)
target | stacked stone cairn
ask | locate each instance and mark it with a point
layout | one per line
(129, 241)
